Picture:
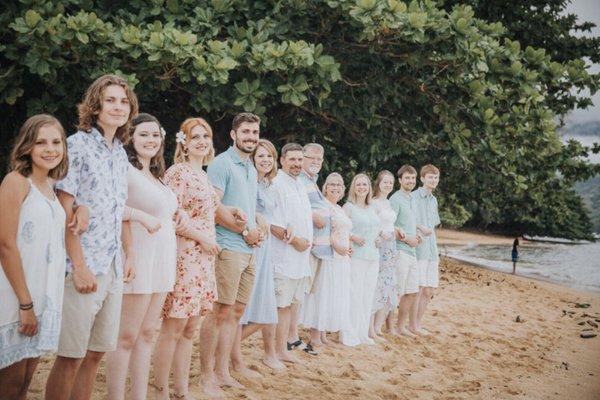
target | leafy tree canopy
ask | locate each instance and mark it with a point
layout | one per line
(379, 82)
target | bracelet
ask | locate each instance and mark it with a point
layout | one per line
(25, 307)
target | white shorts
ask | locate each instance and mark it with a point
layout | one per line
(428, 273)
(408, 274)
(289, 291)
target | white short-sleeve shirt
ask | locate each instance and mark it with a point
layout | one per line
(292, 208)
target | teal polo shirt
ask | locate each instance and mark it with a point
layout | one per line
(402, 204)
(426, 207)
(238, 181)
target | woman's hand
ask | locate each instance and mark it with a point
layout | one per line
(288, 236)
(181, 220)
(357, 240)
(29, 323)
(210, 247)
(80, 221)
(152, 224)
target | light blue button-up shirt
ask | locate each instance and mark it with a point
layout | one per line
(238, 181)
(321, 237)
(426, 208)
(97, 178)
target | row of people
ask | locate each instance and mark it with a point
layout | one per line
(244, 245)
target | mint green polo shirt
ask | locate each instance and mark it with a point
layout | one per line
(402, 204)
(238, 181)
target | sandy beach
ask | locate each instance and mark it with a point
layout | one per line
(496, 336)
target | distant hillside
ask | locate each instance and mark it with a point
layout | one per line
(590, 191)
(590, 128)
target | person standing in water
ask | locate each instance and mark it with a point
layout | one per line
(515, 254)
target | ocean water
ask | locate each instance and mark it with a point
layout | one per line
(573, 265)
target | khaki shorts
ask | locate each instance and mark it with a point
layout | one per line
(428, 273)
(315, 268)
(289, 291)
(408, 274)
(91, 321)
(235, 277)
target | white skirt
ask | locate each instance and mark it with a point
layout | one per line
(363, 281)
(327, 307)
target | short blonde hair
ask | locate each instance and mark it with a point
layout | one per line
(20, 156)
(186, 127)
(330, 177)
(429, 169)
(271, 149)
(352, 190)
(91, 105)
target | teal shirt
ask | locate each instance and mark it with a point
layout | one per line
(426, 207)
(238, 181)
(365, 223)
(402, 204)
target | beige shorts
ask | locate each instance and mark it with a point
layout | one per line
(428, 273)
(91, 321)
(235, 276)
(289, 291)
(315, 268)
(408, 274)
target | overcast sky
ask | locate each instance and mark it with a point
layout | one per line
(587, 10)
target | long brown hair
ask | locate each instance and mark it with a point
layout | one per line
(378, 180)
(186, 128)
(20, 156)
(352, 191)
(91, 105)
(157, 163)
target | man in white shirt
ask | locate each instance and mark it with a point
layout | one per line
(290, 255)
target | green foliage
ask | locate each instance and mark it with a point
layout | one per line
(379, 83)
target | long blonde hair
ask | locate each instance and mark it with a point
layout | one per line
(352, 191)
(186, 127)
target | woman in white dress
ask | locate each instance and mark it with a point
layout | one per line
(32, 253)
(327, 307)
(364, 262)
(386, 293)
(151, 209)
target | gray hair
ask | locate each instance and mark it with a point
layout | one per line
(315, 146)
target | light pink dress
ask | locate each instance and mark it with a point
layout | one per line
(195, 285)
(154, 254)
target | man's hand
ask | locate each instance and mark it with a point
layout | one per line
(80, 221)
(318, 221)
(288, 236)
(128, 270)
(84, 281)
(412, 241)
(240, 217)
(29, 323)
(210, 247)
(300, 244)
(425, 231)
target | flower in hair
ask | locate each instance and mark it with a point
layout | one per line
(162, 132)
(180, 137)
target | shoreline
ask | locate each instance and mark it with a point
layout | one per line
(479, 349)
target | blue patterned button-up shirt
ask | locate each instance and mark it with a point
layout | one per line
(97, 178)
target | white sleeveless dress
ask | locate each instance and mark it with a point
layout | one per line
(41, 244)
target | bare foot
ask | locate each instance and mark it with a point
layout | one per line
(211, 389)
(185, 396)
(228, 380)
(393, 331)
(160, 392)
(274, 363)
(423, 332)
(287, 357)
(324, 339)
(316, 343)
(405, 332)
(247, 372)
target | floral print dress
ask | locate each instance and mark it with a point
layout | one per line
(195, 285)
